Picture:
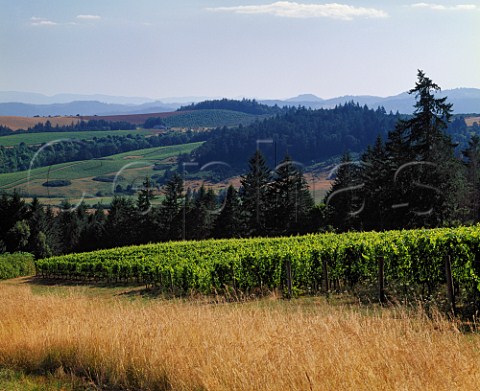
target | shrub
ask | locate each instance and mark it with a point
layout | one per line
(57, 183)
(16, 265)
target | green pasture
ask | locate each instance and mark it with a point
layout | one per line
(45, 137)
(132, 167)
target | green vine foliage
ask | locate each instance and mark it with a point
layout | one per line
(413, 260)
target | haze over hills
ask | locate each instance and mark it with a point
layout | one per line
(40, 99)
(465, 101)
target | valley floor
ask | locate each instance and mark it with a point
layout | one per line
(117, 338)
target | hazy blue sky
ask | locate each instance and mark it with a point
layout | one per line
(232, 48)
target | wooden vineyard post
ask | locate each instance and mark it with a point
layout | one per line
(288, 269)
(381, 279)
(325, 275)
(450, 290)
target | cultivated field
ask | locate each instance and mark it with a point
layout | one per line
(137, 119)
(45, 137)
(16, 123)
(114, 340)
(189, 119)
(471, 120)
(134, 166)
(176, 119)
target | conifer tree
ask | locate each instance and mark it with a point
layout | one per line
(40, 231)
(345, 200)
(200, 219)
(422, 161)
(171, 211)
(93, 233)
(69, 228)
(472, 163)
(376, 180)
(119, 230)
(147, 217)
(145, 196)
(228, 222)
(255, 196)
(291, 201)
(12, 210)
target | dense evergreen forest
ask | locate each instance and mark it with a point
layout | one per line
(307, 135)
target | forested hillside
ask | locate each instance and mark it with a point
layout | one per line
(307, 135)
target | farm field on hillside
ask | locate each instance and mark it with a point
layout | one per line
(189, 119)
(111, 339)
(471, 120)
(15, 123)
(134, 166)
(44, 137)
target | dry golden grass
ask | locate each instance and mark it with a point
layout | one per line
(268, 345)
(137, 119)
(16, 123)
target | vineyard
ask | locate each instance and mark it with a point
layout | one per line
(211, 119)
(412, 262)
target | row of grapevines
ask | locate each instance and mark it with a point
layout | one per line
(413, 258)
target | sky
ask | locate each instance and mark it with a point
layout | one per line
(236, 48)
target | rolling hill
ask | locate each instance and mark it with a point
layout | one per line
(131, 167)
(174, 119)
(465, 100)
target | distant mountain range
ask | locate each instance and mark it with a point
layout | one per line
(465, 101)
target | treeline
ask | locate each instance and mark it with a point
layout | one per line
(414, 178)
(267, 204)
(249, 106)
(307, 135)
(22, 157)
(93, 124)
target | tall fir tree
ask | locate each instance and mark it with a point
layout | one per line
(255, 196)
(200, 219)
(345, 199)
(472, 164)
(377, 180)
(171, 210)
(145, 196)
(290, 201)
(12, 210)
(228, 222)
(69, 227)
(93, 233)
(40, 231)
(120, 229)
(147, 218)
(422, 160)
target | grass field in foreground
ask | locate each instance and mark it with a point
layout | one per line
(45, 137)
(133, 167)
(272, 344)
